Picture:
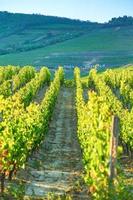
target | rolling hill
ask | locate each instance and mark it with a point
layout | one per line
(46, 40)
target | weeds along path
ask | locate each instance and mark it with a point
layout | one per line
(57, 165)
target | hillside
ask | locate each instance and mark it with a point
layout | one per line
(46, 40)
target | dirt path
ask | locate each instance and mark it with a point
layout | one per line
(40, 94)
(127, 168)
(85, 94)
(57, 165)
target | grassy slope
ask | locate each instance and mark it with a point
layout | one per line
(108, 39)
(109, 43)
(31, 35)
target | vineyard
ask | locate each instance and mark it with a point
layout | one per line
(56, 134)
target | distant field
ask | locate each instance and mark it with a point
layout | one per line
(110, 46)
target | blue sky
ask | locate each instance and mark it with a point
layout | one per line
(93, 10)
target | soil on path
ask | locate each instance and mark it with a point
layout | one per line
(40, 95)
(57, 166)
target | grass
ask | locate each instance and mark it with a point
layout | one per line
(108, 39)
(111, 46)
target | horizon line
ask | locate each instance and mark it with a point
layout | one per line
(62, 16)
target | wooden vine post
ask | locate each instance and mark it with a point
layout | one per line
(2, 181)
(113, 148)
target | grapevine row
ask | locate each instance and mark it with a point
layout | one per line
(94, 121)
(26, 93)
(23, 129)
(10, 86)
(7, 72)
(116, 107)
(122, 84)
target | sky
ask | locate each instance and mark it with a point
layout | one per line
(92, 10)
